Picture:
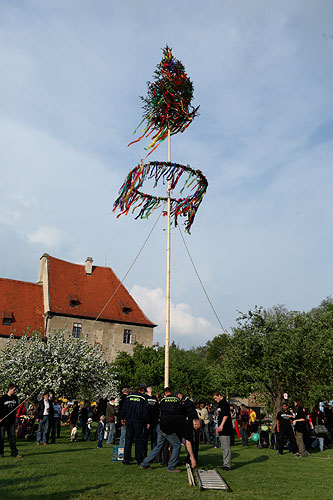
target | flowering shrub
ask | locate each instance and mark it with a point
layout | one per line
(70, 366)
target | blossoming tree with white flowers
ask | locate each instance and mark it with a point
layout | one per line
(70, 366)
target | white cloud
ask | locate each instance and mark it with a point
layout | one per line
(185, 326)
(48, 236)
(9, 217)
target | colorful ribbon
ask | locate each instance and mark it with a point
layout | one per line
(168, 102)
(130, 198)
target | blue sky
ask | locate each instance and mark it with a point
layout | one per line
(72, 72)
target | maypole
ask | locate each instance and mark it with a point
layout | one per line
(167, 293)
(167, 111)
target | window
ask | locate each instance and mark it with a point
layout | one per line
(126, 308)
(74, 300)
(7, 318)
(77, 330)
(127, 336)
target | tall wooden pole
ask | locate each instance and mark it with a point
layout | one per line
(167, 306)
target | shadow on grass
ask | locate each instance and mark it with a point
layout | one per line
(52, 451)
(215, 460)
(257, 460)
(30, 482)
(27, 489)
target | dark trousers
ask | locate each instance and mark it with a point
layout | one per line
(134, 432)
(11, 438)
(232, 437)
(151, 434)
(286, 433)
(50, 426)
(54, 429)
(165, 453)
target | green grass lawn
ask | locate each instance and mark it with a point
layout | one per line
(79, 470)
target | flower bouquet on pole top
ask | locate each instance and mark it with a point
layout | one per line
(168, 102)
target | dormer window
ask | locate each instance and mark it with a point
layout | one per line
(74, 300)
(7, 318)
(126, 308)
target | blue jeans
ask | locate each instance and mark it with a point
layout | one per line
(111, 426)
(122, 436)
(244, 437)
(205, 431)
(320, 441)
(161, 438)
(43, 421)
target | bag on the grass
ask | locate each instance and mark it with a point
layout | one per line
(118, 454)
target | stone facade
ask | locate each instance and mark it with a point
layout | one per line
(110, 336)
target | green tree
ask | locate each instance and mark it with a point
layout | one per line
(272, 351)
(188, 370)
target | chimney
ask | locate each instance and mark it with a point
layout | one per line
(89, 263)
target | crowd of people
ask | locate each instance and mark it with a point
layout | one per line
(166, 421)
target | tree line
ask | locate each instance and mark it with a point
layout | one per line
(269, 352)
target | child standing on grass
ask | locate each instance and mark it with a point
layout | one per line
(87, 435)
(100, 431)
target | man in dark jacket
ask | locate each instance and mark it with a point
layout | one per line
(8, 405)
(173, 428)
(224, 428)
(153, 412)
(134, 414)
(44, 414)
(124, 393)
(169, 405)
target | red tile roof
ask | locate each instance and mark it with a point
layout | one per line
(91, 293)
(23, 302)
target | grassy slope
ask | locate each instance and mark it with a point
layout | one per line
(79, 470)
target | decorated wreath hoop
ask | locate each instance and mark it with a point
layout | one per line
(130, 197)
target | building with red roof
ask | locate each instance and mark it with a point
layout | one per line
(81, 299)
(21, 307)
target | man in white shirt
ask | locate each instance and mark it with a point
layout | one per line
(43, 413)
